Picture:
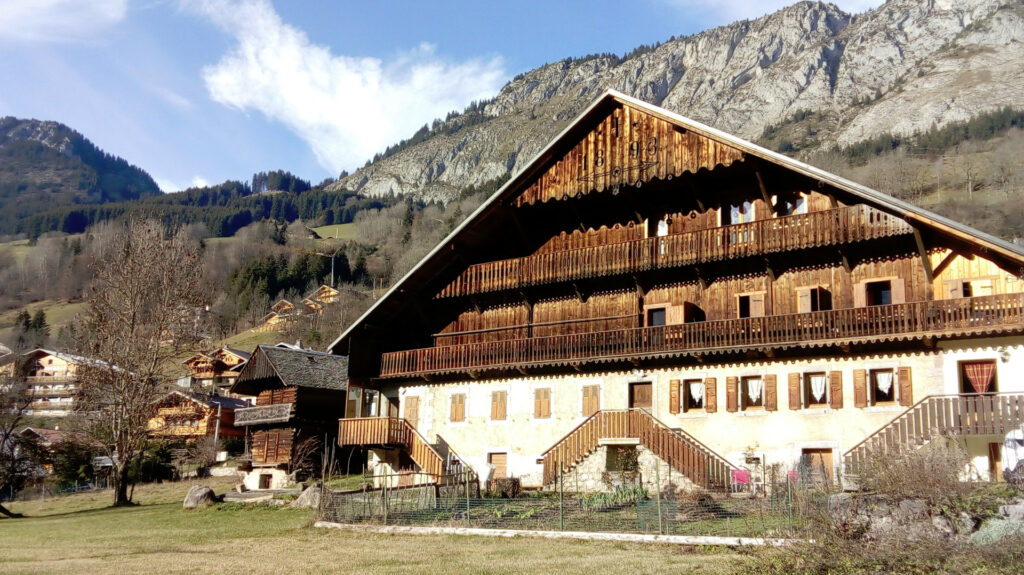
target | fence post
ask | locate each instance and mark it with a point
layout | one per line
(561, 496)
(657, 492)
(466, 473)
(384, 498)
(789, 497)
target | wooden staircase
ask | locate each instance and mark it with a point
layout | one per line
(682, 451)
(396, 432)
(943, 415)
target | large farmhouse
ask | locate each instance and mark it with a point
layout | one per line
(649, 283)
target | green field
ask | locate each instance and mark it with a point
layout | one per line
(339, 231)
(77, 534)
(58, 314)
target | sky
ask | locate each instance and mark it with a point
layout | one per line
(197, 92)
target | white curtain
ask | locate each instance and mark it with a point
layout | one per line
(818, 387)
(884, 379)
(754, 387)
(697, 393)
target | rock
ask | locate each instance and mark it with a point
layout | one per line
(943, 526)
(310, 498)
(913, 510)
(241, 488)
(966, 523)
(1012, 512)
(840, 505)
(199, 496)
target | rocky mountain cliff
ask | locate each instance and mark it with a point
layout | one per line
(901, 68)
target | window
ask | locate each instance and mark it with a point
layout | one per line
(458, 410)
(883, 386)
(815, 393)
(752, 392)
(591, 399)
(751, 305)
(499, 401)
(968, 288)
(738, 213)
(542, 403)
(790, 206)
(656, 317)
(978, 376)
(621, 458)
(811, 299)
(693, 390)
(693, 313)
(878, 293)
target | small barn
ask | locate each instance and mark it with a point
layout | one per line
(299, 395)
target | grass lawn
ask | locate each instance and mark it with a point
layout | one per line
(59, 313)
(340, 231)
(77, 534)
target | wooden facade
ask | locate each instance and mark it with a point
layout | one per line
(182, 415)
(643, 243)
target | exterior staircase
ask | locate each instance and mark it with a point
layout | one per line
(396, 432)
(682, 451)
(943, 415)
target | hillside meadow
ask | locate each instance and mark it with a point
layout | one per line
(79, 534)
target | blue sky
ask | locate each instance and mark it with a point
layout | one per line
(200, 91)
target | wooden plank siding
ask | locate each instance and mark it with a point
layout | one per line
(966, 316)
(391, 432)
(272, 447)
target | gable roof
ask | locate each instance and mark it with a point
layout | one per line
(209, 401)
(408, 285)
(271, 366)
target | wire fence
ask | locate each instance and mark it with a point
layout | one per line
(784, 511)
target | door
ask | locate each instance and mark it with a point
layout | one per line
(500, 463)
(817, 466)
(412, 411)
(640, 395)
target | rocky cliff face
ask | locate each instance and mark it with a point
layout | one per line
(900, 68)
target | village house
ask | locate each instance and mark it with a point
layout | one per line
(52, 381)
(215, 371)
(299, 395)
(190, 416)
(652, 288)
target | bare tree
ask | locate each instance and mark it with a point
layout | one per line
(18, 455)
(144, 311)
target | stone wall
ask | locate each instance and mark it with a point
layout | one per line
(592, 474)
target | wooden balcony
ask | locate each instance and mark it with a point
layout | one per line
(954, 317)
(392, 432)
(273, 413)
(816, 229)
(943, 415)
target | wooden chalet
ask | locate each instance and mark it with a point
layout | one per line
(190, 416)
(53, 381)
(299, 395)
(215, 370)
(650, 281)
(325, 294)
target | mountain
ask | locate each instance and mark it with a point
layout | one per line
(47, 164)
(821, 76)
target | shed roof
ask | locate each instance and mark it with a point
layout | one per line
(272, 366)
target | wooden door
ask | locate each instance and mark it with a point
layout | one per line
(640, 395)
(412, 411)
(818, 467)
(500, 463)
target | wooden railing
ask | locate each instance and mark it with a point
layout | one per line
(683, 452)
(816, 229)
(916, 319)
(943, 415)
(392, 432)
(273, 413)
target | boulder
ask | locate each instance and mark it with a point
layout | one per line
(310, 498)
(1012, 512)
(199, 496)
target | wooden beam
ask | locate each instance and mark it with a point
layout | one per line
(769, 269)
(521, 370)
(946, 261)
(696, 195)
(579, 293)
(640, 291)
(764, 190)
(926, 263)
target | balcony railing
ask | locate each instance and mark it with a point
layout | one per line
(963, 316)
(816, 229)
(51, 378)
(274, 413)
(393, 432)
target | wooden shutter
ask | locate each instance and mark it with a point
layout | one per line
(674, 315)
(673, 396)
(711, 395)
(954, 289)
(591, 400)
(771, 393)
(860, 294)
(795, 398)
(860, 388)
(458, 407)
(757, 304)
(412, 410)
(542, 403)
(981, 288)
(906, 387)
(835, 384)
(498, 405)
(899, 290)
(732, 384)
(803, 300)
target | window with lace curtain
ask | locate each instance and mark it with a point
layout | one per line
(883, 386)
(752, 391)
(815, 389)
(694, 390)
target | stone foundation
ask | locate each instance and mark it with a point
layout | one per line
(592, 475)
(278, 479)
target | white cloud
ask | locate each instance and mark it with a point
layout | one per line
(34, 21)
(199, 182)
(345, 108)
(166, 186)
(732, 10)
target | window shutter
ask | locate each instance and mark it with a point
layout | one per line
(860, 388)
(795, 398)
(757, 304)
(859, 295)
(906, 387)
(771, 393)
(835, 384)
(537, 409)
(591, 400)
(981, 288)
(711, 394)
(732, 393)
(803, 300)
(954, 289)
(674, 315)
(546, 402)
(458, 407)
(498, 399)
(899, 290)
(673, 396)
